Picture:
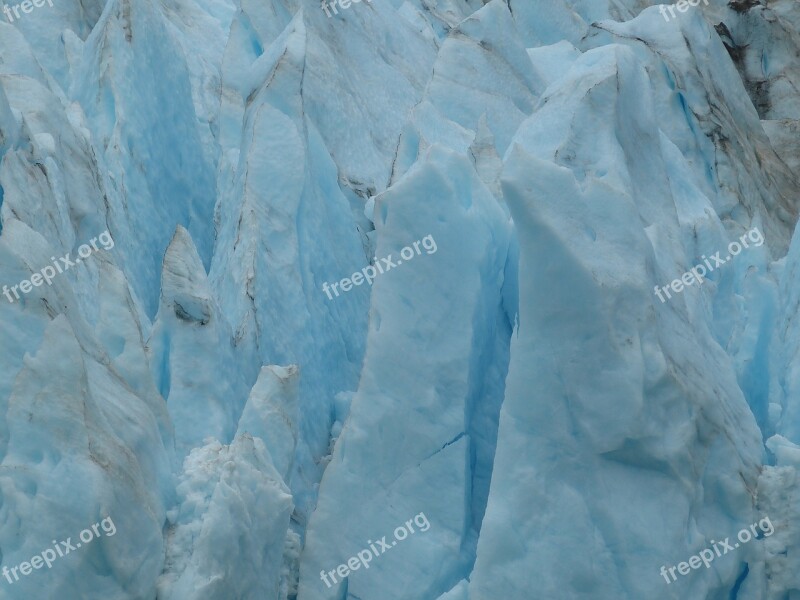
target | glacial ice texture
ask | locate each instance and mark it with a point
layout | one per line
(392, 300)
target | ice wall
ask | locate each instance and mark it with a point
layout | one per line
(515, 380)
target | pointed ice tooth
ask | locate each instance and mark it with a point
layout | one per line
(190, 342)
(271, 414)
(227, 537)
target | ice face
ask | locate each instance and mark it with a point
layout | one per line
(399, 300)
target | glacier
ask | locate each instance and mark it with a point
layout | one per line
(524, 385)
